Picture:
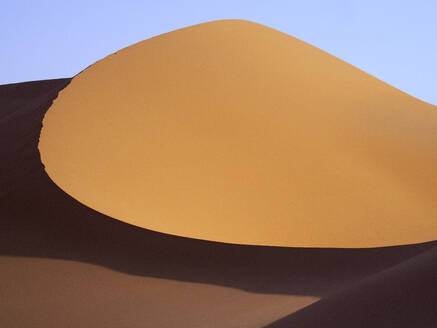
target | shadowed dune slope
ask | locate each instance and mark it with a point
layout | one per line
(234, 132)
(64, 264)
(22, 107)
(402, 296)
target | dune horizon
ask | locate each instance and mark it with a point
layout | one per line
(234, 132)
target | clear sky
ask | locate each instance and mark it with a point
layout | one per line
(394, 40)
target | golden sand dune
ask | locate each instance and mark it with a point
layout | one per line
(231, 131)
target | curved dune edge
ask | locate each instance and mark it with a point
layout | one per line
(377, 301)
(234, 132)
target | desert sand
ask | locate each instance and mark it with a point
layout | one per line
(79, 294)
(65, 264)
(234, 132)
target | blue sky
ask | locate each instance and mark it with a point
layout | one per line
(395, 41)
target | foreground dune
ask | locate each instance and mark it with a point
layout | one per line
(66, 265)
(84, 295)
(402, 296)
(234, 132)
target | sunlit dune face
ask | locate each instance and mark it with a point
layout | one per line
(234, 132)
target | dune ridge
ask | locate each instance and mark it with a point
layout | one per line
(234, 132)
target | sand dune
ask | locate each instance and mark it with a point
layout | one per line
(57, 293)
(402, 296)
(22, 107)
(234, 132)
(225, 132)
(64, 264)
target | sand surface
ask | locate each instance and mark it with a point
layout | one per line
(402, 296)
(62, 264)
(58, 293)
(234, 132)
